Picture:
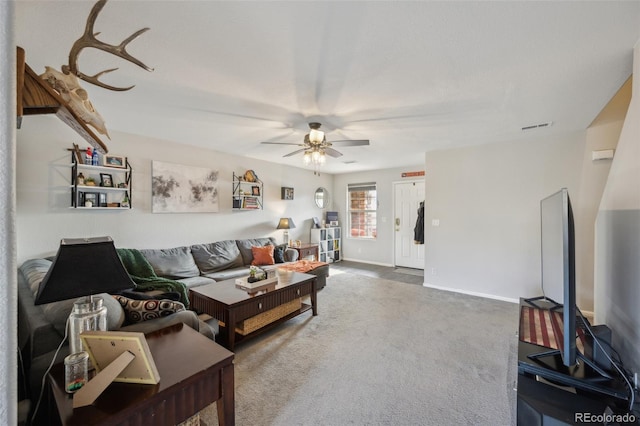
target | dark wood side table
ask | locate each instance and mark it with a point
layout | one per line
(306, 249)
(194, 372)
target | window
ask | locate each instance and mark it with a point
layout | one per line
(363, 203)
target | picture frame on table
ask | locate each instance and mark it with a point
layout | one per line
(106, 180)
(116, 161)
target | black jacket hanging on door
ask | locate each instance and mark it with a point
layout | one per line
(418, 231)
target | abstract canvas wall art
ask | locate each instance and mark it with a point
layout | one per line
(178, 188)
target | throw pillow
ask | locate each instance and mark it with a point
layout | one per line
(278, 253)
(145, 310)
(262, 255)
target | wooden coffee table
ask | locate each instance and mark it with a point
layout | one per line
(243, 315)
(194, 372)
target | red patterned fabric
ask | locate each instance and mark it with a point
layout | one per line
(145, 310)
(543, 327)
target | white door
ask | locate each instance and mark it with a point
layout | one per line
(407, 196)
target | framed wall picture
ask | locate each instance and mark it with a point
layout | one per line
(286, 193)
(114, 161)
(106, 180)
(177, 188)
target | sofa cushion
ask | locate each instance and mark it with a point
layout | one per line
(216, 256)
(196, 281)
(262, 255)
(245, 247)
(145, 310)
(172, 263)
(227, 274)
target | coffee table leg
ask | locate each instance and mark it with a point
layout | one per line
(314, 297)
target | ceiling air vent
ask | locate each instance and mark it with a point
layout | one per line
(537, 126)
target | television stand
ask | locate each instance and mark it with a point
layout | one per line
(540, 369)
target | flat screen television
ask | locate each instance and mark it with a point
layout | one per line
(558, 265)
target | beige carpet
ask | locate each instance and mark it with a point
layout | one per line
(381, 353)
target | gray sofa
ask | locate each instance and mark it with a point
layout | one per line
(202, 264)
(41, 328)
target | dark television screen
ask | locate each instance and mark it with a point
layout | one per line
(558, 265)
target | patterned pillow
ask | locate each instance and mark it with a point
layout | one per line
(145, 310)
(262, 255)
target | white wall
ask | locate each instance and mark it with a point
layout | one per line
(487, 199)
(381, 250)
(44, 217)
(617, 265)
(8, 285)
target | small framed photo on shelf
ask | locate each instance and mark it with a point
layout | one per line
(114, 161)
(255, 190)
(102, 199)
(333, 223)
(106, 180)
(286, 193)
(89, 199)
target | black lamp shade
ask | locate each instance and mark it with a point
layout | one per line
(82, 267)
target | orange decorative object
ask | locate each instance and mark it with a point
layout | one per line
(302, 265)
(262, 255)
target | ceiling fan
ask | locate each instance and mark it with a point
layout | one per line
(315, 145)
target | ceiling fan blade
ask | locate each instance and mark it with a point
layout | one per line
(332, 152)
(282, 143)
(295, 152)
(352, 142)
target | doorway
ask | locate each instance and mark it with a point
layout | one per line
(407, 198)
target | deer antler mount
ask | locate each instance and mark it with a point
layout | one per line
(67, 82)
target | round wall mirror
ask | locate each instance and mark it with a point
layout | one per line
(322, 198)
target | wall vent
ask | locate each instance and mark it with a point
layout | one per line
(537, 126)
(349, 162)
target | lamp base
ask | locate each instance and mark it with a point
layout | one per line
(87, 314)
(286, 237)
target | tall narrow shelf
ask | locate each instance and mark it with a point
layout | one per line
(329, 243)
(101, 195)
(246, 195)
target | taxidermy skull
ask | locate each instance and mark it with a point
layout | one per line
(69, 88)
(67, 82)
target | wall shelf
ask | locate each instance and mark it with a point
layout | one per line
(100, 196)
(247, 195)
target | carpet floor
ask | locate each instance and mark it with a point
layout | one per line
(381, 353)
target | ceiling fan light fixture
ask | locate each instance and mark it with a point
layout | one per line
(316, 136)
(306, 158)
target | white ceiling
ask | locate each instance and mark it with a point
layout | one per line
(410, 76)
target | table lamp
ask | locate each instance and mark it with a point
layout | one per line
(84, 267)
(286, 223)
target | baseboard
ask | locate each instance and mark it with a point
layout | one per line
(472, 293)
(368, 262)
